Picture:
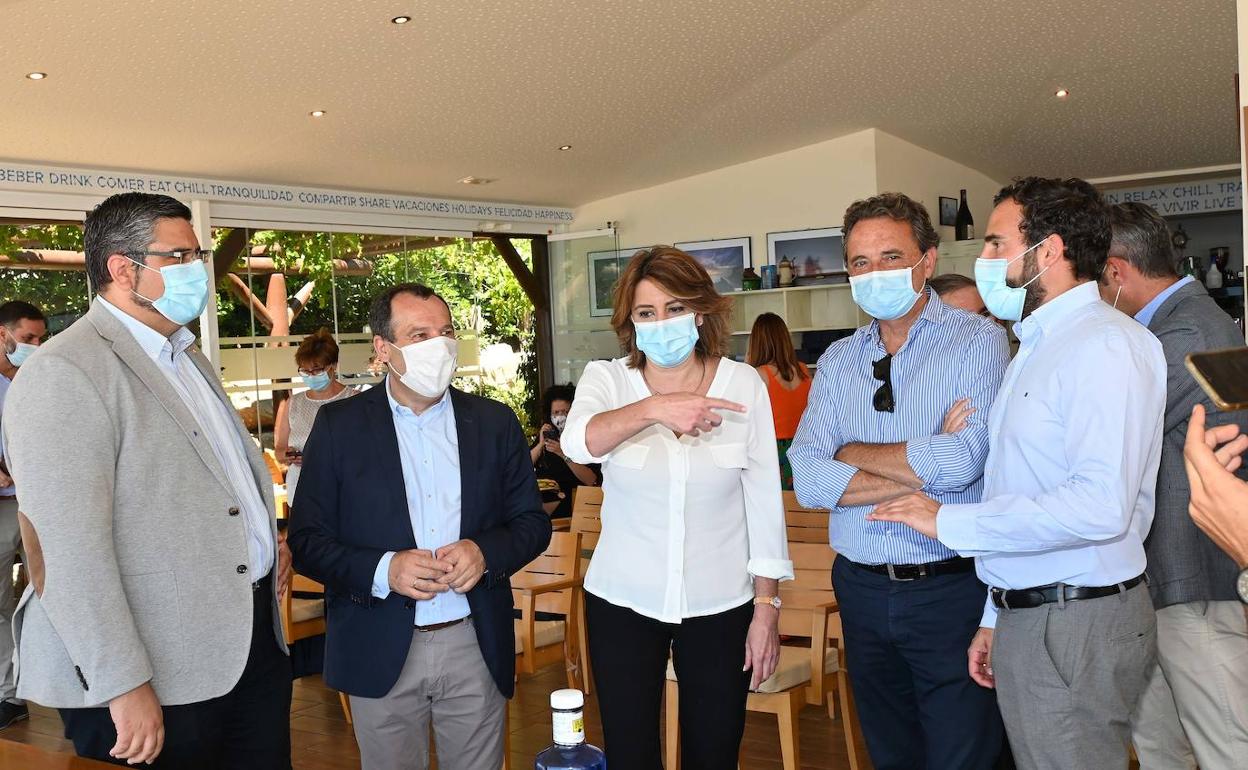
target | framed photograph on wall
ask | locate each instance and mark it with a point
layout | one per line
(604, 271)
(724, 259)
(814, 253)
(948, 211)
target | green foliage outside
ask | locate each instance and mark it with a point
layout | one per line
(483, 294)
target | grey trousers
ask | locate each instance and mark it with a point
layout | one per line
(1070, 676)
(10, 542)
(444, 681)
(1195, 709)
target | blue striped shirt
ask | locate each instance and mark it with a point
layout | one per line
(949, 354)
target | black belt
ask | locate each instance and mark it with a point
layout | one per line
(440, 626)
(907, 572)
(1026, 598)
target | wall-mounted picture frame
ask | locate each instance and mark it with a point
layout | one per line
(604, 271)
(948, 211)
(723, 258)
(814, 253)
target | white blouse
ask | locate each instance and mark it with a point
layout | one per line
(685, 522)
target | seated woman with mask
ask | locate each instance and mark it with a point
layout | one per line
(317, 359)
(549, 461)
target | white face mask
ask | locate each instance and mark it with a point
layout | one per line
(559, 421)
(429, 365)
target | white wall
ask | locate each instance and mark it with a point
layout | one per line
(925, 176)
(802, 188)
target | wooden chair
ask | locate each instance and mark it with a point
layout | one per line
(587, 515)
(550, 584)
(810, 612)
(304, 617)
(805, 525)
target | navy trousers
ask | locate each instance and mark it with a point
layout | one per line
(905, 646)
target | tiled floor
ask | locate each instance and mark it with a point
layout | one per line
(322, 740)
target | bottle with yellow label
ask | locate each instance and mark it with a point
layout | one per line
(570, 751)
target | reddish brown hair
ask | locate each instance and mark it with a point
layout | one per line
(770, 344)
(684, 278)
(318, 349)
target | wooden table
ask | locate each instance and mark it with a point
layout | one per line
(23, 755)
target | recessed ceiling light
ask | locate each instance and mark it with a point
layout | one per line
(1062, 93)
(400, 19)
(317, 113)
(476, 180)
(565, 147)
(36, 75)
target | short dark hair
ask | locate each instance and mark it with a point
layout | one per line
(1071, 208)
(318, 349)
(379, 313)
(18, 310)
(943, 284)
(1141, 237)
(124, 223)
(897, 207)
(556, 393)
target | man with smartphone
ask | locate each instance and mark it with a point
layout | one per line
(1197, 697)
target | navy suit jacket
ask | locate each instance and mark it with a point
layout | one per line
(352, 507)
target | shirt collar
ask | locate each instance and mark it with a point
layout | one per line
(1053, 313)
(1145, 316)
(153, 342)
(399, 410)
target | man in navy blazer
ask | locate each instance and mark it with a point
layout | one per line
(416, 502)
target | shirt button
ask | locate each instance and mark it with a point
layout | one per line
(242, 569)
(233, 511)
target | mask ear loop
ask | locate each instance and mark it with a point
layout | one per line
(1034, 246)
(1117, 295)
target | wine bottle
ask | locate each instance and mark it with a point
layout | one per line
(963, 224)
(570, 751)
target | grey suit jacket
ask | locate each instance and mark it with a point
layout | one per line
(1183, 564)
(132, 513)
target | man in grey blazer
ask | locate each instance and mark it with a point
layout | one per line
(146, 509)
(1197, 699)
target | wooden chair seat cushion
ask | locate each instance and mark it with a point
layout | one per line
(547, 632)
(306, 609)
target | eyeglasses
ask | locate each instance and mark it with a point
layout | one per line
(883, 370)
(314, 372)
(184, 256)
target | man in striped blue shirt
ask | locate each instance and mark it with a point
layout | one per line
(898, 407)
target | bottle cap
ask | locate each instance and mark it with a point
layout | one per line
(566, 700)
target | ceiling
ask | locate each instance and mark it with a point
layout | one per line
(644, 90)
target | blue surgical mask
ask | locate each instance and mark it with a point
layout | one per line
(21, 353)
(316, 381)
(186, 291)
(1002, 300)
(885, 295)
(669, 342)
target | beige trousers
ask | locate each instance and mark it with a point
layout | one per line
(444, 681)
(1195, 710)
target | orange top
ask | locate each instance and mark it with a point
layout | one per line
(786, 405)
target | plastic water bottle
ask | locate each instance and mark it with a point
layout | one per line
(570, 751)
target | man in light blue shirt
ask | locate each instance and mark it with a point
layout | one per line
(898, 407)
(1075, 437)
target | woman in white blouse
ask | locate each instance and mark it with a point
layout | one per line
(693, 538)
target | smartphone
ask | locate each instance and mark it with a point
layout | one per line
(1224, 376)
(551, 435)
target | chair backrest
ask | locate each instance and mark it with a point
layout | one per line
(805, 525)
(587, 515)
(558, 560)
(811, 586)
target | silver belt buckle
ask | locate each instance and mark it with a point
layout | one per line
(892, 575)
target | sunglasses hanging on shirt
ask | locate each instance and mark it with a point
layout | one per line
(883, 370)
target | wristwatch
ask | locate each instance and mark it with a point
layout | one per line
(1241, 586)
(774, 601)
